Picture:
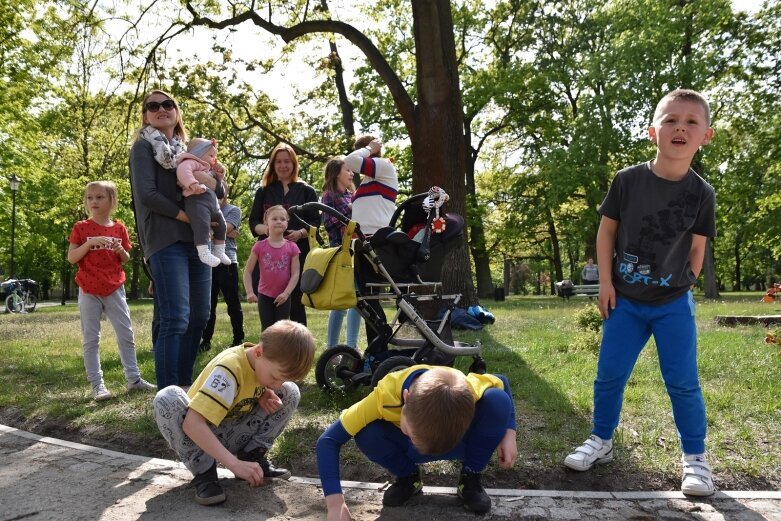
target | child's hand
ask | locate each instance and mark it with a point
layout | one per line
(269, 402)
(249, 471)
(117, 248)
(251, 297)
(197, 188)
(337, 508)
(606, 299)
(281, 299)
(219, 170)
(507, 450)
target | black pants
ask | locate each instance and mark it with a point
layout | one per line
(225, 279)
(270, 312)
(297, 309)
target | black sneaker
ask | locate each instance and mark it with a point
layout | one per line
(258, 455)
(207, 488)
(205, 345)
(237, 342)
(472, 493)
(403, 489)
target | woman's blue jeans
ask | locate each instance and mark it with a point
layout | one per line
(182, 291)
(335, 318)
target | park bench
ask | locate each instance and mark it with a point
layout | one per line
(566, 289)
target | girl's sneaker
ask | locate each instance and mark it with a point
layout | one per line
(697, 476)
(100, 393)
(594, 451)
(141, 385)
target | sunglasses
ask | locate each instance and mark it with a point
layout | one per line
(154, 106)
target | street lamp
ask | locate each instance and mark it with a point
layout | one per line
(14, 188)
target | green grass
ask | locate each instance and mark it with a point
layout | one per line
(533, 342)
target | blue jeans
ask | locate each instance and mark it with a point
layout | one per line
(335, 318)
(624, 334)
(182, 290)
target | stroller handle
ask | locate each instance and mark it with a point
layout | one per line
(295, 210)
(413, 199)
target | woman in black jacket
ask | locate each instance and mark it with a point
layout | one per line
(280, 185)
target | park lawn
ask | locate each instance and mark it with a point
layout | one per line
(533, 342)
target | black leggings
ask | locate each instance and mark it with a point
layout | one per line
(270, 312)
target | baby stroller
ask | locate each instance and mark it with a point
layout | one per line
(391, 266)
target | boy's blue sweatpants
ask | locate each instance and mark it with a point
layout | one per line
(384, 443)
(624, 334)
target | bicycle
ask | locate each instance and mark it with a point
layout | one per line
(22, 295)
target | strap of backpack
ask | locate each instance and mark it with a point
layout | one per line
(348, 235)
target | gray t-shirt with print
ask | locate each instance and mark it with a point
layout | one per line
(657, 218)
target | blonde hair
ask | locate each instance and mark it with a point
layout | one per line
(684, 95)
(439, 408)
(179, 130)
(291, 345)
(107, 186)
(275, 208)
(270, 175)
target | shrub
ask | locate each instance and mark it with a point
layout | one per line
(588, 318)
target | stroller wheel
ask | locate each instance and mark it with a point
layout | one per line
(394, 363)
(336, 367)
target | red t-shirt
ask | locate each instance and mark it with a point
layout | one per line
(100, 270)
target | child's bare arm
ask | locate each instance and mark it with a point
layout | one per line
(507, 451)
(291, 284)
(606, 243)
(697, 253)
(247, 277)
(77, 252)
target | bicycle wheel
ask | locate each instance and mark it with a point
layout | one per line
(14, 303)
(30, 303)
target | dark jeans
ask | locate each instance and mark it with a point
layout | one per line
(225, 279)
(182, 287)
(270, 312)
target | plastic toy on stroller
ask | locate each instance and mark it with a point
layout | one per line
(392, 266)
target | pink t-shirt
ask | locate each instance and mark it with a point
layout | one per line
(274, 266)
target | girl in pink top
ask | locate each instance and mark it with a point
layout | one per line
(278, 261)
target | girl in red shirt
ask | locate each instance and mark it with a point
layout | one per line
(100, 246)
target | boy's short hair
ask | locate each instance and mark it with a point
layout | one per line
(439, 408)
(364, 140)
(291, 345)
(685, 95)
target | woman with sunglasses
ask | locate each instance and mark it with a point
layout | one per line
(182, 282)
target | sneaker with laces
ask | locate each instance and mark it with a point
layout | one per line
(697, 476)
(141, 385)
(594, 451)
(207, 488)
(472, 494)
(403, 489)
(100, 393)
(259, 456)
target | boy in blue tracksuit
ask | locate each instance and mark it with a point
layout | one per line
(421, 414)
(651, 242)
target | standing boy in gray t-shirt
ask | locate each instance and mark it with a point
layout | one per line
(656, 220)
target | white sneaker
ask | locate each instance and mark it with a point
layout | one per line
(697, 476)
(141, 385)
(100, 393)
(594, 451)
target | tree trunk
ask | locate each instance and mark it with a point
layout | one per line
(475, 221)
(438, 137)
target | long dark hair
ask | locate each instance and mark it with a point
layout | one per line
(332, 170)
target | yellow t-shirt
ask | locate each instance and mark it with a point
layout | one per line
(226, 388)
(384, 402)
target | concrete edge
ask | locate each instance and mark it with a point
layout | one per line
(510, 494)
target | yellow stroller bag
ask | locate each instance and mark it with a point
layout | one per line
(327, 281)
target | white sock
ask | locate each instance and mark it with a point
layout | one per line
(205, 255)
(219, 252)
